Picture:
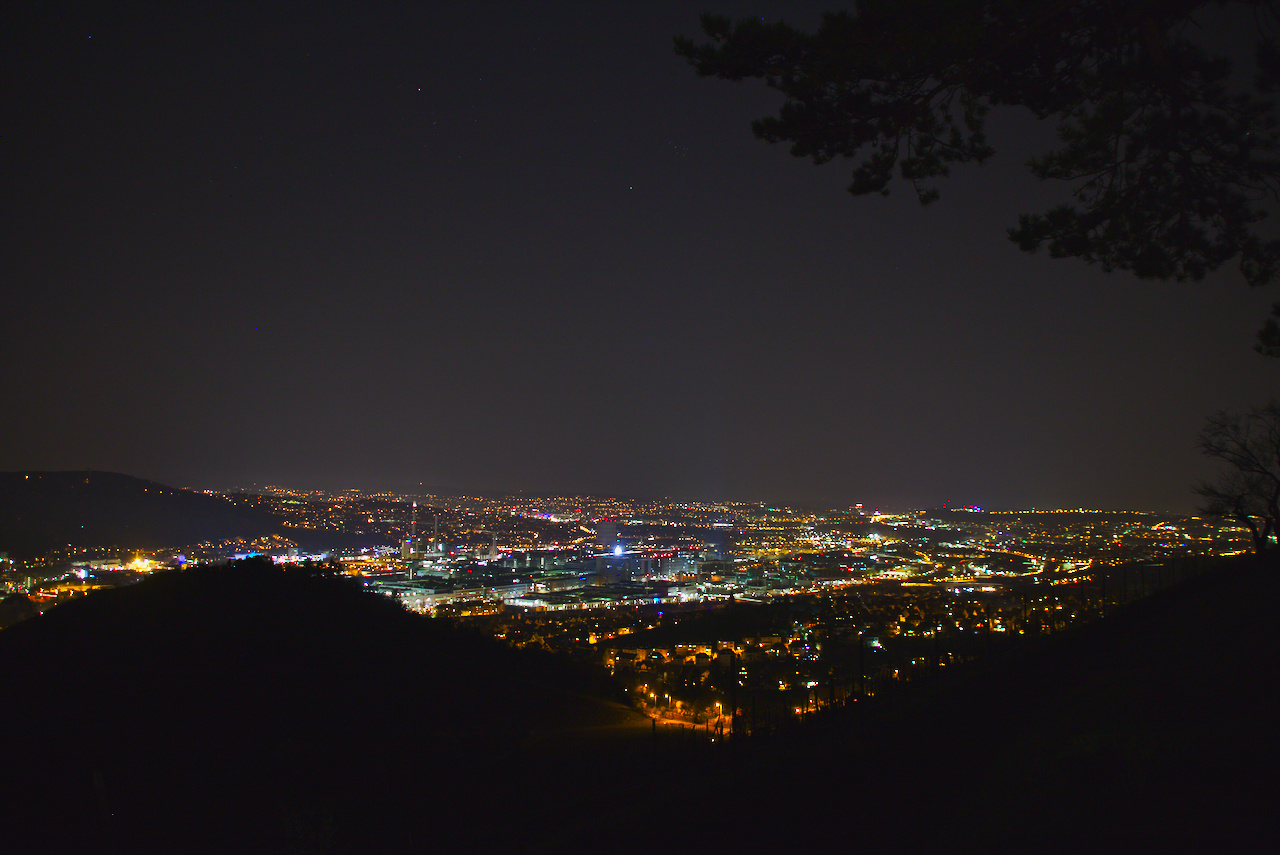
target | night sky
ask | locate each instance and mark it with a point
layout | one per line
(522, 246)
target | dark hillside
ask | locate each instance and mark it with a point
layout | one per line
(41, 511)
(200, 709)
(1153, 729)
(254, 709)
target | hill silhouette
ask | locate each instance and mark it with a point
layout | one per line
(207, 707)
(249, 708)
(1150, 730)
(41, 511)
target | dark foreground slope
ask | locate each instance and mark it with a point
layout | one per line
(248, 708)
(254, 710)
(1153, 730)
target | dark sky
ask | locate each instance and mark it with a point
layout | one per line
(523, 246)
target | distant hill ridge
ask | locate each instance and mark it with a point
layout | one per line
(41, 511)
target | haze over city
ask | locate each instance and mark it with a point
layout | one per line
(523, 247)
